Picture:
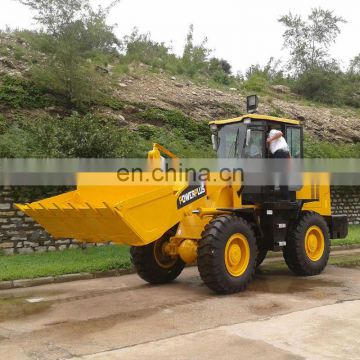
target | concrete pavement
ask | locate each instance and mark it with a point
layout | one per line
(279, 317)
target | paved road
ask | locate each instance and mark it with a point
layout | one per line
(279, 317)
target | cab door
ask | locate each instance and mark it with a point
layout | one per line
(294, 138)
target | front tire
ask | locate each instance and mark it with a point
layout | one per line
(153, 265)
(227, 254)
(308, 246)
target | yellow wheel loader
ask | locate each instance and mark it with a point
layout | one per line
(223, 226)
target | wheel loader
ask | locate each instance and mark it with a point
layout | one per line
(224, 227)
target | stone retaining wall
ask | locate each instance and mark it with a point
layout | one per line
(20, 234)
(346, 200)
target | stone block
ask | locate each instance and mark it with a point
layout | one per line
(6, 245)
(18, 238)
(9, 251)
(33, 282)
(4, 285)
(25, 250)
(7, 213)
(8, 226)
(73, 277)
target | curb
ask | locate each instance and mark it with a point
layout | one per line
(274, 255)
(26, 283)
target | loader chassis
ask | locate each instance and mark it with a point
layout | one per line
(223, 226)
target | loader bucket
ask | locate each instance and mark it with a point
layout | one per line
(133, 215)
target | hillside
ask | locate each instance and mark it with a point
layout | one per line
(204, 103)
(139, 101)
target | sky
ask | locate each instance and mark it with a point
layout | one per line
(242, 32)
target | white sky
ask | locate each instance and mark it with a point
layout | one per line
(243, 32)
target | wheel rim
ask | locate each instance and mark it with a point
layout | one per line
(162, 259)
(314, 243)
(237, 255)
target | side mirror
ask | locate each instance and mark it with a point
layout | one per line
(214, 140)
(248, 137)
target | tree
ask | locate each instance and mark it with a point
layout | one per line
(309, 41)
(72, 32)
(354, 68)
(195, 57)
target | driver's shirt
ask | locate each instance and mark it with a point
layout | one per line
(278, 144)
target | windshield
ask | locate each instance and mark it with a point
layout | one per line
(231, 140)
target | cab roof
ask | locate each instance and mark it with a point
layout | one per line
(255, 117)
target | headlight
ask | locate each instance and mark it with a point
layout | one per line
(252, 104)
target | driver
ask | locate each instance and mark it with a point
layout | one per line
(277, 145)
(280, 150)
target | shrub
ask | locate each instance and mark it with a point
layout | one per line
(259, 78)
(314, 148)
(141, 48)
(16, 92)
(320, 85)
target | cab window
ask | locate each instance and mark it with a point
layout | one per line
(293, 138)
(255, 148)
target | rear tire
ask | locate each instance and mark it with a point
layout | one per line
(153, 265)
(227, 254)
(308, 246)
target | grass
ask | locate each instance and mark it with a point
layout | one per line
(111, 257)
(64, 262)
(345, 260)
(352, 239)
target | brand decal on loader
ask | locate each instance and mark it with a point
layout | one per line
(191, 194)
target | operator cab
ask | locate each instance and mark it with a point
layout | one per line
(245, 138)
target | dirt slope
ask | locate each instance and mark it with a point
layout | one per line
(204, 103)
(198, 101)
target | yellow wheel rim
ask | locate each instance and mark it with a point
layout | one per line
(314, 243)
(237, 255)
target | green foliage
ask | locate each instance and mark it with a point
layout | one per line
(147, 132)
(321, 85)
(329, 85)
(91, 137)
(195, 57)
(3, 125)
(179, 133)
(309, 41)
(73, 136)
(74, 32)
(259, 78)
(16, 142)
(17, 92)
(110, 102)
(314, 148)
(195, 63)
(190, 129)
(352, 239)
(141, 48)
(77, 136)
